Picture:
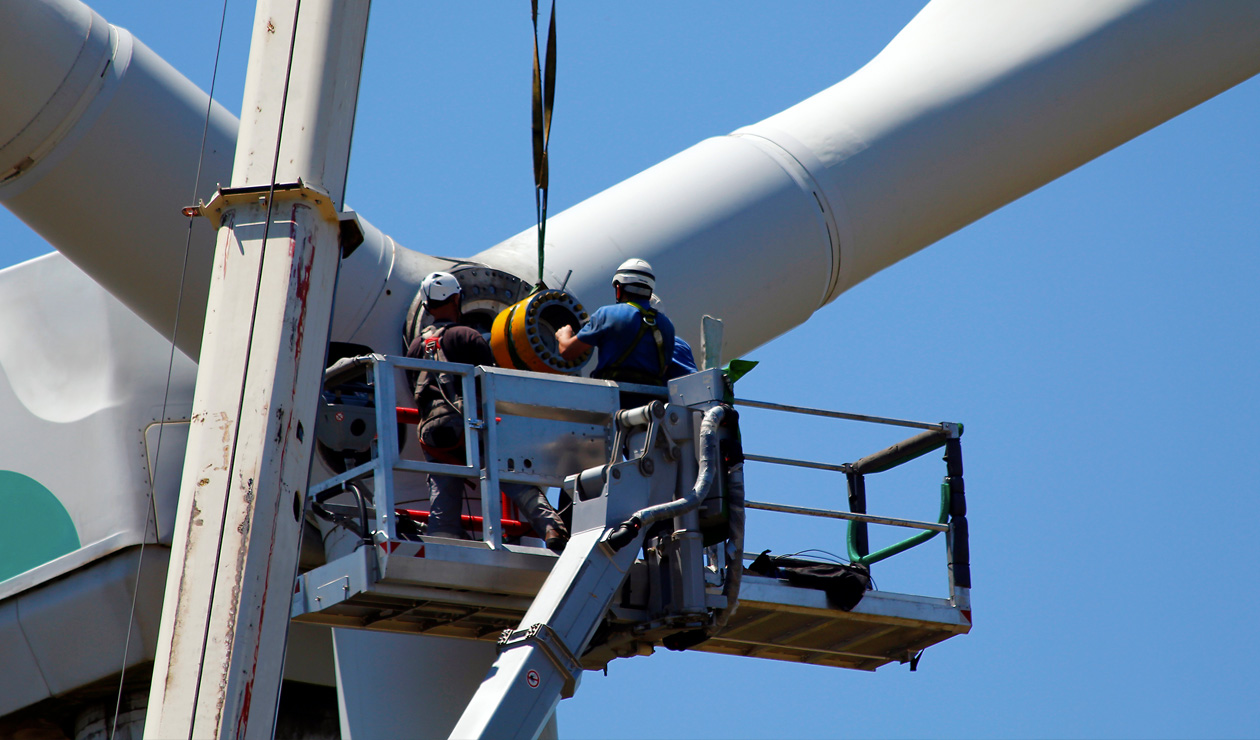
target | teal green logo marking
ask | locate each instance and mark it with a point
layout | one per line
(34, 527)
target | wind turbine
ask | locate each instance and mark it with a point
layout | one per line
(909, 145)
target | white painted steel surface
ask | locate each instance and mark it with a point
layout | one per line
(220, 649)
(236, 539)
(317, 100)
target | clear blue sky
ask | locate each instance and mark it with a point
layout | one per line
(1098, 338)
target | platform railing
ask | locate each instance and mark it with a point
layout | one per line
(952, 520)
(481, 438)
(481, 431)
(386, 455)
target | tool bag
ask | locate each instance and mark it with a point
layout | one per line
(844, 584)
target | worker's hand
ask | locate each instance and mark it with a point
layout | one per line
(569, 345)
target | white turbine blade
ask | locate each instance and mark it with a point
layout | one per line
(107, 155)
(975, 104)
(971, 106)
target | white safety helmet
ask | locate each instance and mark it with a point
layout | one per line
(439, 286)
(637, 275)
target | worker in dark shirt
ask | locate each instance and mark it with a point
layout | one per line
(635, 341)
(439, 397)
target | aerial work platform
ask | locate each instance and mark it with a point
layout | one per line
(448, 589)
(546, 429)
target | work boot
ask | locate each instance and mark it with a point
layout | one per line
(539, 513)
(556, 538)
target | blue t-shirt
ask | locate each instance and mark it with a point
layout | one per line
(683, 362)
(612, 329)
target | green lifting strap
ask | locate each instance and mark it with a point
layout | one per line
(543, 102)
(905, 544)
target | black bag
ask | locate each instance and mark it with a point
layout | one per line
(844, 584)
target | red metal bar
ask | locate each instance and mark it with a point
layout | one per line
(511, 527)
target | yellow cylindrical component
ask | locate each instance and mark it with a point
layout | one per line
(523, 335)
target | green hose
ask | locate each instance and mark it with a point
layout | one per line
(905, 544)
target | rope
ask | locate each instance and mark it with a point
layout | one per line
(150, 514)
(543, 101)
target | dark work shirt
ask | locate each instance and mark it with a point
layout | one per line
(459, 344)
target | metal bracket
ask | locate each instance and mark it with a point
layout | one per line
(646, 466)
(545, 638)
(350, 232)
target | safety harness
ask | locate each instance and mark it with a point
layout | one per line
(438, 397)
(614, 369)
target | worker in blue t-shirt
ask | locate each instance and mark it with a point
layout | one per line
(635, 341)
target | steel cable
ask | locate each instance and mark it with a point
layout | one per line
(150, 513)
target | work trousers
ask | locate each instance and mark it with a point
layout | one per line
(446, 499)
(442, 440)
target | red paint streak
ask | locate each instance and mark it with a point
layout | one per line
(300, 279)
(242, 719)
(966, 615)
(300, 283)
